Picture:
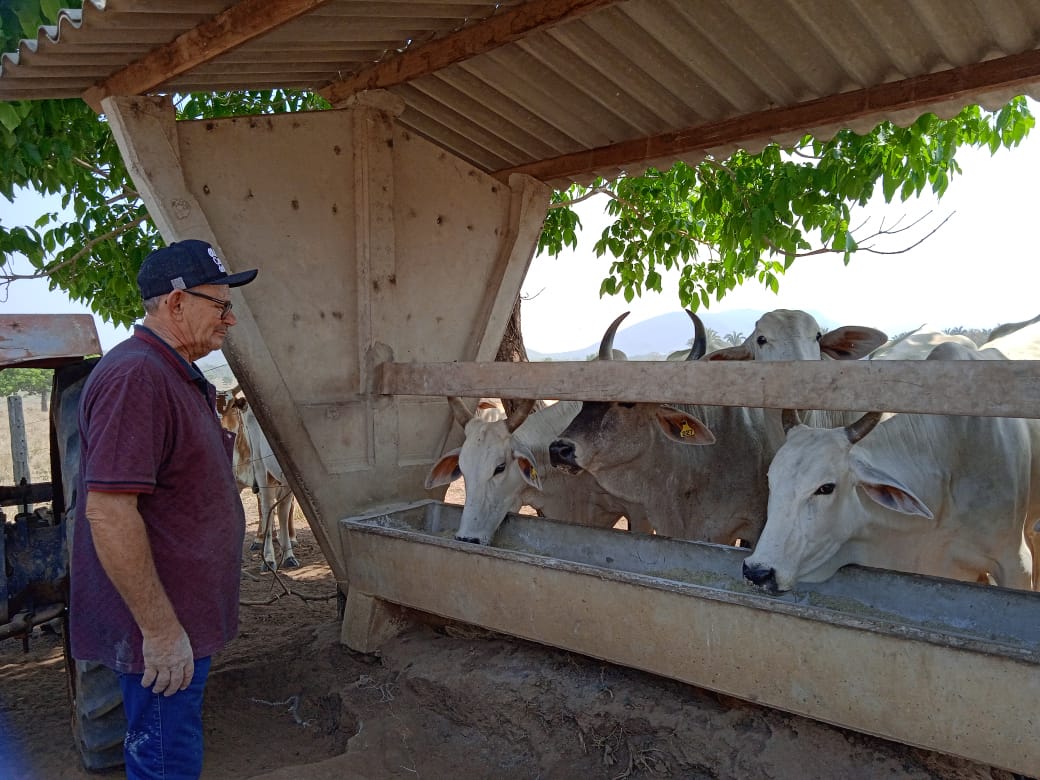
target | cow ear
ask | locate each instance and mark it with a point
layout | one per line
(889, 492)
(526, 463)
(444, 471)
(851, 342)
(741, 352)
(682, 427)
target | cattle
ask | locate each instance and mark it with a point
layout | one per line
(1017, 341)
(257, 468)
(642, 453)
(1017, 346)
(490, 409)
(939, 495)
(790, 334)
(917, 344)
(505, 465)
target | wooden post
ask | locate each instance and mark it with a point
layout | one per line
(19, 444)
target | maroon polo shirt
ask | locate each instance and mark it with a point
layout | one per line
(149, 426)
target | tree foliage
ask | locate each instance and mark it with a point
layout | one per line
(751, 216)
(31, 381)
(61, 147)
(721, 222)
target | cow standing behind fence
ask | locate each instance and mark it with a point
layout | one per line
(257, 468)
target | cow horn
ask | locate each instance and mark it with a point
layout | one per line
(519, 414)
(700, 338)
(789, 418)
(864, 425)
(606, 346)
(458, 408)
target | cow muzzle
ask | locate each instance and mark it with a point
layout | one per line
(761, 575)
(470, 539)
(562, 456)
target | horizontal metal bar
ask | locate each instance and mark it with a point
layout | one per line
(983, 388)
(18, 495)
(24, 621)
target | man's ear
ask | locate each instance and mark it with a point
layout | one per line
(175, 302)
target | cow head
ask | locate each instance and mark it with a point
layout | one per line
(825, 493)
(496, 467)
(786, 334)
(230, 408)
(611, 434)
(607, 435)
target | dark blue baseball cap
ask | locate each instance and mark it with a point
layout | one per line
(183, 265)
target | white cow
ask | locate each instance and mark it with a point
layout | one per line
(713, 493)
(917, 344)
(791, 334)
(257, 468)
(941, 495)
(505, 465)
(1017, 341)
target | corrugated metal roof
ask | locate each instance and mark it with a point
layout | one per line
(603, 91)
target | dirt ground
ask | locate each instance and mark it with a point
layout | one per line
(287, 700)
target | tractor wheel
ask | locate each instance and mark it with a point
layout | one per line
(98, 720)
(99, 723)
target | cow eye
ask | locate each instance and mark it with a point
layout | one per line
(819, 336)
(626, 405)
(500, 468)
(761, 340)
(825, 490)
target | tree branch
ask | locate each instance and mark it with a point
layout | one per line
(286, 591)
(575, 201)
(43, 273)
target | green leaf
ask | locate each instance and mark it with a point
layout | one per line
(9, 117)
(50, 9)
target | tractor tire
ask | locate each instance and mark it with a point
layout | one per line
(98, 720)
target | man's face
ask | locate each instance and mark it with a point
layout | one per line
(202, 328)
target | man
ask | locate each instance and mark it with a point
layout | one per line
(158, 542)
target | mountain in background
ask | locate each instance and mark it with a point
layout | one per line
(653, 339)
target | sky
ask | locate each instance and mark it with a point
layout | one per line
(979, 270)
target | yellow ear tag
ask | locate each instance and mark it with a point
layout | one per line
(534, 473)
(686, 430)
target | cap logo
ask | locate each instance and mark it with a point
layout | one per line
(216, 260)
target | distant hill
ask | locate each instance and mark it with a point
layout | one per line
(656, 337)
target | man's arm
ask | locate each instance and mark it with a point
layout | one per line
(122, 547)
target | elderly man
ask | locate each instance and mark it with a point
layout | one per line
(158, 542)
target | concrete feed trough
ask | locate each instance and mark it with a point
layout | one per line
(944, 665)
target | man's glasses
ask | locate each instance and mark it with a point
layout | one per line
(225, 306)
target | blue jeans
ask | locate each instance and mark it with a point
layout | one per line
(163, 733)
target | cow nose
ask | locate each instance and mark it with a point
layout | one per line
(470, 539)
(761, 575)
(561, 453)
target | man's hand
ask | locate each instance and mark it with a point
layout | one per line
(168, 662)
